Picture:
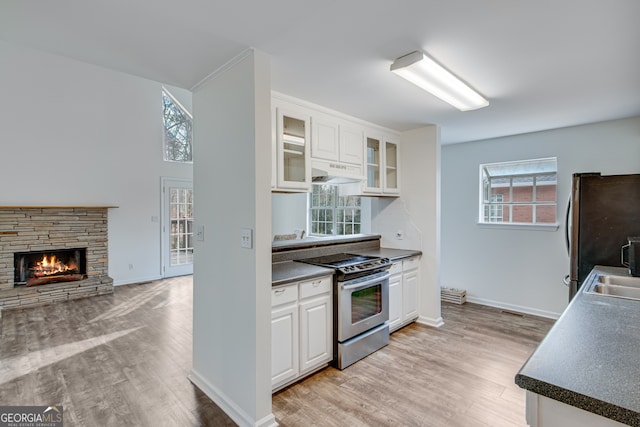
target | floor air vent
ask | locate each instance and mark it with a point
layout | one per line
(512, 313)
(456, 296)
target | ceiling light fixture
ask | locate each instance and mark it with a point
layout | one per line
(427, 74)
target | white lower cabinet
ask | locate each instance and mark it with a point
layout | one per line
(301, 329)
(404, 282)
(410, 295)
(395, 296)
(284, 344)
(316, 332)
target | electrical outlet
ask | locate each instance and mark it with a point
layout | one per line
(246, 238)
(200, 232)
(130, 266)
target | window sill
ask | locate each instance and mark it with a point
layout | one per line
(519, 226)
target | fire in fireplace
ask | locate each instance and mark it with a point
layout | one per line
(42, 267)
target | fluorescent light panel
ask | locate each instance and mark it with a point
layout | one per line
(427, 74)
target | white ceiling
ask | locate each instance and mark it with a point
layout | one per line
(542, 64)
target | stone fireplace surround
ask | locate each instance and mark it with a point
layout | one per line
(41, 228)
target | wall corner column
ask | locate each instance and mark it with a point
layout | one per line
(420, 170)
(232, 284)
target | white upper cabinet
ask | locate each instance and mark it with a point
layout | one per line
(373, 162)
(351, 143)
(336, 146)
(324, 137)
(391, 167)
(293, 169)
(310, 140)
(382, 166)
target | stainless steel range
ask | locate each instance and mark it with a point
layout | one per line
(361, 305)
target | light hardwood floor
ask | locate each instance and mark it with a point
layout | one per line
(123, 359)
(459, 375)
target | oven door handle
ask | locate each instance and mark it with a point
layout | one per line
(365, 284)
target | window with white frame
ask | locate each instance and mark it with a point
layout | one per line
(178, 124)
(493, 211)
(333, 214)
(521, 192)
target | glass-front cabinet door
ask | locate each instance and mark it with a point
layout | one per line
(373, 165)
(294, 171)
(391, 168)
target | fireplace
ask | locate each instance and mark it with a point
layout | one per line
(53, 253)
(41, 267)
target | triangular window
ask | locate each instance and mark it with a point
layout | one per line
(178, 125)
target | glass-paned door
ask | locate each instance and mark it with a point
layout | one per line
(374, 160)
(177, 227)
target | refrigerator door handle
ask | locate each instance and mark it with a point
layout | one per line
(567, 240)
(624, 260)
(566, 228)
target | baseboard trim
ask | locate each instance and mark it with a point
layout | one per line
(234, 412)
(513, 307)
(136, 280)
(429, 321)
(268, 421)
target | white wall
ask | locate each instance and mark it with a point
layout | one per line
(77, 134)
(232, 285)
(289, 212)
(416, 214)
(522, 269)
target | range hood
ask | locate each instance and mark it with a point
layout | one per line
(326, 179)
(323, 171)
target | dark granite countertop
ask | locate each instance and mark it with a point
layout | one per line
(392, 254)
(286, 272)
(590, 358)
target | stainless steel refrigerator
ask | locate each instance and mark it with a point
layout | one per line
(603, 212)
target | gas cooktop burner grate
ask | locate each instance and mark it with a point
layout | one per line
(350, 265)
(338, 260)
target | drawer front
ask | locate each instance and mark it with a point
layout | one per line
(396, 267)
(284, 295)
(318, 286)
(410, 264)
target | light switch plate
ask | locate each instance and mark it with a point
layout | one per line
(200, 232)
(246, 238)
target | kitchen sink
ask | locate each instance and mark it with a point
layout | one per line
(616, 286)
(617, 291)
(628, 281)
